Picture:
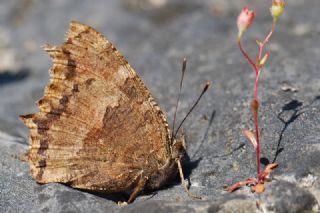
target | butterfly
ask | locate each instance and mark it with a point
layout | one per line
(98, 127)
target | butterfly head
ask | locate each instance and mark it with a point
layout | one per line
(178, 147)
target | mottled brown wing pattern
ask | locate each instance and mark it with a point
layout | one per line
(94, 117)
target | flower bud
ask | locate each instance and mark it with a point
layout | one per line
(277, 8)
(244, 20)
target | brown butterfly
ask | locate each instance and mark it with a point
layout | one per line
(98, 127)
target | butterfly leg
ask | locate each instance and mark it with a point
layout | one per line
(183, 183)
(139, 187)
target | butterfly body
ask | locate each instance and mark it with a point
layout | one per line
(98, 127)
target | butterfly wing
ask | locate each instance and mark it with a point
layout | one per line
(98, 126)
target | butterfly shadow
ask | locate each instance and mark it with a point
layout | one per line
(115, 197)
(189, 163)
(205, 138)
(9, 76)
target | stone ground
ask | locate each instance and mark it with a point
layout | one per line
(154, 35)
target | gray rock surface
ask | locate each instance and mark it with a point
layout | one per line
(154, 35)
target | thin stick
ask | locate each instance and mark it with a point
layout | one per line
(194, 105)
(184, 65)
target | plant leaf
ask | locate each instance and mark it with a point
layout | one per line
(271, 166)
(251, 138)
(239, 184)
(264, 59)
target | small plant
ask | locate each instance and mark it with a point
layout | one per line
(244, 21)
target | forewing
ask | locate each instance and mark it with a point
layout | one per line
(98, 126)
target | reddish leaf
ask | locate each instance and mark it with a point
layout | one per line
(259, 188)
(271, 166)
(239, 184)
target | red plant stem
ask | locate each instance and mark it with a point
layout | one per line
(245, 54)
(256, 124)
(257, 68)
(266, 39)
(255, 120)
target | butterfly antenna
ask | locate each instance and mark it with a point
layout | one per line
(205, 88)
(183, 70)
